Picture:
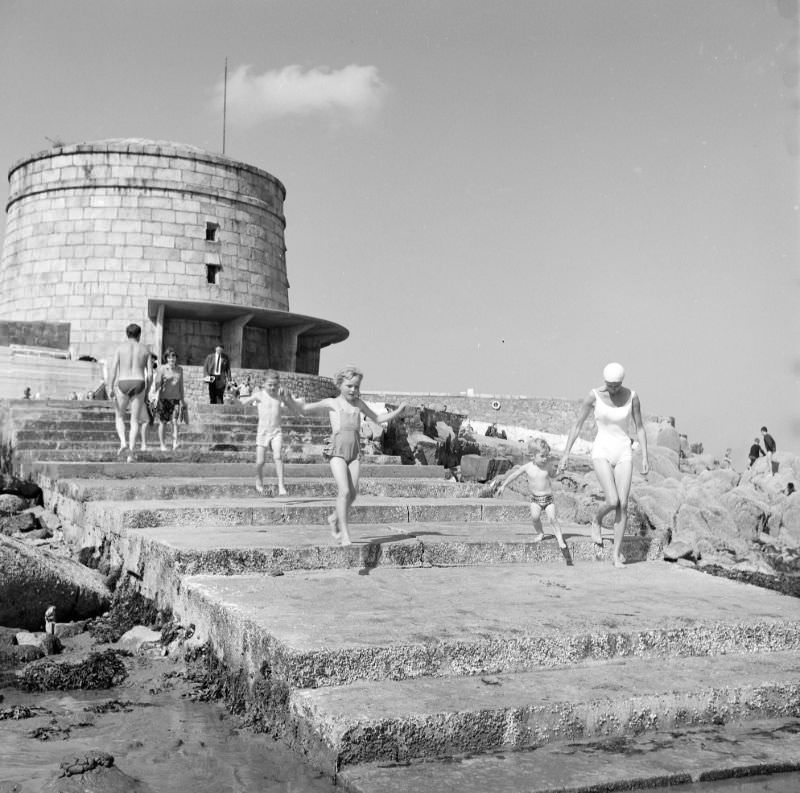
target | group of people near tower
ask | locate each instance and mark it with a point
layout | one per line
(613, 405)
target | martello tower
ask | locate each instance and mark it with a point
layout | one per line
(186, 243)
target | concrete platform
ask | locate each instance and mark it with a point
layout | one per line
(672, 758)
(437, 717)
(230, 550)
(406, 623)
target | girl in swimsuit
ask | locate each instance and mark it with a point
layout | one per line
(612, 456)
(345, 412)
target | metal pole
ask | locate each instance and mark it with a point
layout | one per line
(224, 105)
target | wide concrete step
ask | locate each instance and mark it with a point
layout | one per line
(222, 453)
(312, 629)
(258, 510)
(224, 488)
(371, 466)
(662, 758)
(238, 550)
(398, 721)
(104, 438)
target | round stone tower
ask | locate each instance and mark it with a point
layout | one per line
(188, 244)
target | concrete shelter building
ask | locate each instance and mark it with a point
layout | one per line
(186, 243)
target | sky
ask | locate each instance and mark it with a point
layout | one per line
(502, 196)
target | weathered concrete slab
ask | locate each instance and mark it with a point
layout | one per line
(230, 550)
(117, 515)
(673, 757)
(67, 469)
(208, 488)
(404, 623)
(403, 720)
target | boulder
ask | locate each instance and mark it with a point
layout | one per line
(789, 529)
(678, 550)
(34, 579)
(423, 448)
(11, 504)
(749, 515)
(48, 643)
(659, 505)
(475, 468)
(667, 436)
(18, 524)
(141, 639)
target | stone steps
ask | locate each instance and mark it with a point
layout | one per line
(224, 488)
(429, 718)
(372, 466)
(428, 661)
(637, 761)
(258, 510)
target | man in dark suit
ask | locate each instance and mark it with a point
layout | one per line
(217, 372)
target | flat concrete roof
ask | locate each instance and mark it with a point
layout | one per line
(323, 331)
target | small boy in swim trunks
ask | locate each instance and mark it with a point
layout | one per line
(345, 412)
(271, 400)
(540, 487)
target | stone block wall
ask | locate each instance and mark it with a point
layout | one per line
(547, 415)
(95, 230)
(306, 386)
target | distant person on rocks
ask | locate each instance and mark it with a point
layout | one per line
(755, 452)
(612, 454)
(727, 460)
(491, 431)
(769, 447)
(131, 372)
(541, 489)
(170, 400)
(789, 489)
(217, 372)
(345, 412)
(26, 394)
(271, 400)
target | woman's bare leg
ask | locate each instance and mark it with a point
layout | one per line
(623, 474)
(605, 475)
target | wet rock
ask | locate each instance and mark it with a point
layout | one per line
(93, 772)
(475, 468)
(678, 550)
(34, 578)
(142, 640)
(11, 504)
(13, 524)
(65, 630)
(49, 644)
(21, 487)
(20, 654)
(98, 671)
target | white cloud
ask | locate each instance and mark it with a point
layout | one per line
(354, 92)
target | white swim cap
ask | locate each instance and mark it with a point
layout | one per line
(614, 373)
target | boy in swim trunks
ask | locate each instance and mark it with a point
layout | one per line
(345, 412)
(270, 401)
(540, 487)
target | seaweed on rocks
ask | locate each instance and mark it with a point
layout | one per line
(99, 670)
(128, 608)
(264, 709)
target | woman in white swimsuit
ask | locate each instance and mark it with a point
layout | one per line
(612, 455)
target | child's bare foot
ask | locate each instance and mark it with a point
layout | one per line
(163, 448)
(282, 491)
(174, 444)
(333, 522)
(130, 457)
(143, 448)
(123, 448)
(561, 543)
(259, 486)
(597, 533)
(538, 537)
(619, 561)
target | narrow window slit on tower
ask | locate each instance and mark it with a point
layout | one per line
(212, 273)
(211, 232)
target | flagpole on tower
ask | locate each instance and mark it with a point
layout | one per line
(224, 105)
